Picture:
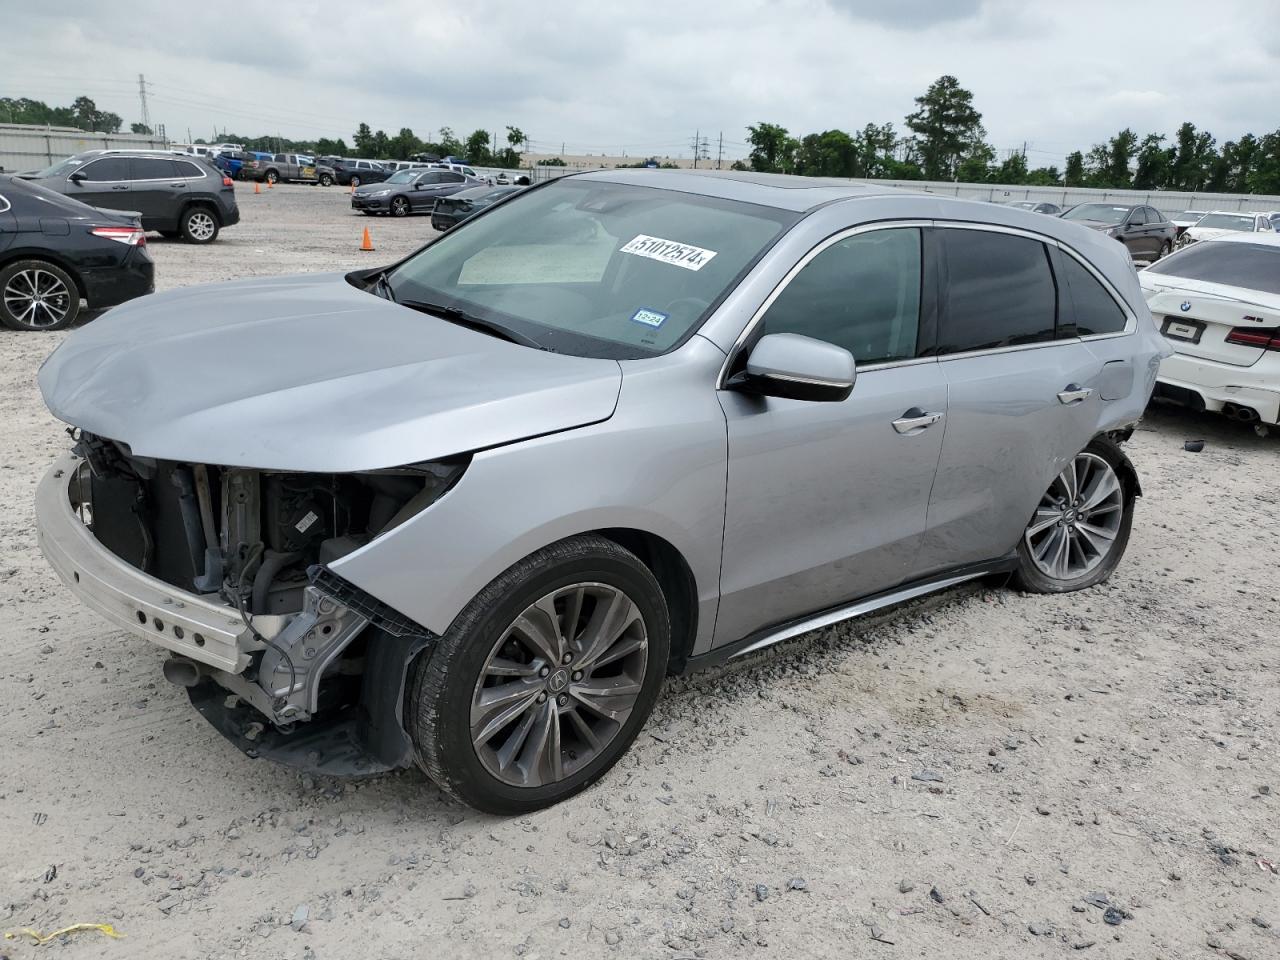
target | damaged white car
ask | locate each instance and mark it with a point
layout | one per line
(470, 509)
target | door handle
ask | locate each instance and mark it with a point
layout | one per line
(915, 420)
(1073, 394)
(121, 186)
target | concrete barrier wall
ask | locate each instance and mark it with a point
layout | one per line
(24, 147)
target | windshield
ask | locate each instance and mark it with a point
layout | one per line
(62, 168)
(1226, 221)
(1103, 212)
(1254, 266)
(593, 268)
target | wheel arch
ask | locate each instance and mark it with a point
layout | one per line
(205, 202)
(1124, 466)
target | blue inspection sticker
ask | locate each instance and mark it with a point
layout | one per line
(650, 318)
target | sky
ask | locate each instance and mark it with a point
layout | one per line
(642, 78)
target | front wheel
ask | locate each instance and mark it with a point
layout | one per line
(544, 680)
(198, 225)
(326, 180)
(399, 207)
(1080, 529)
(37, 295)
(273, 177)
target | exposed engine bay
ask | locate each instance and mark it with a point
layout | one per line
(258, 541)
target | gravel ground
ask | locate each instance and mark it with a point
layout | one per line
(985, 774)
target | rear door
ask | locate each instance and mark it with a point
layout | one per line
(1023, 393)
(157, 191)
(106, 184)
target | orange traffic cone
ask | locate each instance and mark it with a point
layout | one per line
(366, 243)
(353, 189)
(257, 187)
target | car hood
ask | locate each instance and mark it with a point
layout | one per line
(1096, 224)
(309, 373)
(1208, 233)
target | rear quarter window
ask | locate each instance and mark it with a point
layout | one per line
(1087, 308)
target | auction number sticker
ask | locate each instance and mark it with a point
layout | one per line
(669, 251)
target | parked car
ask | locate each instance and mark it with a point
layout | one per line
(232, 163)
(55, 252)
(356, 172)
(175, 196)
(1218, 304)
(1052, 209)
(289, 168)
(1144, 230)
(463, 169)
(452, 210)
(469, 509)
(1221, 222)
(1185, 219)
(409, 191)
(395, 166)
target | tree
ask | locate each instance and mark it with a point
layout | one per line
(87, 116)
(772, 149)
(140, 128)
(1119, 153)
(1074, 176)
(551, 162)
(1013, 169)
(1193, 155)
(476, 148)
(327, 148)
(946, 127)
(449, 145)
(1153, 165)
(1044, 177)
(516, 137)
(362, 140)
(832, 153)
(875, 145)
(738, 165)
(404, 145)
(1264, 172)
(975, 164)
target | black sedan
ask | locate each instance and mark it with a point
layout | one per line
(55, 251)
(451, 211)
(1144, 230)
(409, 191)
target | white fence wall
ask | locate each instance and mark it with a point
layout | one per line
(24, 147)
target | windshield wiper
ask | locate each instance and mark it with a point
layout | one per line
(382, 287)
(464, 319)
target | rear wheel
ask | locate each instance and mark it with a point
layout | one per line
(37, 295)
(1166, 248)
(199, 225)
(326, 180)
(1080, 529)
(355, 181)
(544, 680)
(273, 177)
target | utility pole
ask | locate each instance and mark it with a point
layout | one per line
(697, 139)
(720, 150)
(142, 101)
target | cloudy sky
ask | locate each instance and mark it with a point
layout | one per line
(642, 77)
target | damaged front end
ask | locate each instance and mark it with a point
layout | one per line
(227, 569)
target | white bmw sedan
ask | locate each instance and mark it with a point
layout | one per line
(1217, 302)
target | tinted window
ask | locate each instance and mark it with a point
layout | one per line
(1254, 266)
(152, 168)
(1154, 216)
(1084, 298)
(1138, 216)
(1102, 212)
(452, 178)
(429, 178)
(999, 292)
(861, 293)
(108, 168)
(187, 169)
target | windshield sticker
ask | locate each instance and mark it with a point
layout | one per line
(668, 251)
(650, 318)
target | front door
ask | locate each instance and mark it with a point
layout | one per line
(827, 501)
(1023, 392)
(105, 184)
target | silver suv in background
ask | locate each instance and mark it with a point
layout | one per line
(469, 509)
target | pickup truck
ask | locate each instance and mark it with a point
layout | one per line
(290, 168)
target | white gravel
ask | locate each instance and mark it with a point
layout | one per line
(1120, 741)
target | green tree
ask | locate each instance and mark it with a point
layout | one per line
(1193, 156)
(362, 140)
(1119, 152)
(140, 128)
(449, 144)
(476, 148)
(516, 137)
(404, 145)
(1013, 169)
(1154, 161)
(975, 164)
(1074, 176)
(946, 128)
(831, 153)
(325, 147)
(875, 145)
(772, 149)
(1044, 177)
(551, 162)
(1264, 171)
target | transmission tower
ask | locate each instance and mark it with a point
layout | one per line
(142, 101)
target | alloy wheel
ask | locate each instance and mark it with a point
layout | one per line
(200, 226)
(559, 684)
(1078, 520)
(399, 206)
(36, 298)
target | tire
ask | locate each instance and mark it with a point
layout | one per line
(1067, 548)
(399, 207)
(1166, 248)
(326, 180)
(355, 181)
(37, 295)
(585, 574)
(198, 225)
(272, 177)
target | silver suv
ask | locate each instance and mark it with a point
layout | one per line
(468, 510)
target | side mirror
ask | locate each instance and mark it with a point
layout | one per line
(78, 177)
(797, 368)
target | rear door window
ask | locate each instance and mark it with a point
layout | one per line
(999, 291)
(152, 168)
